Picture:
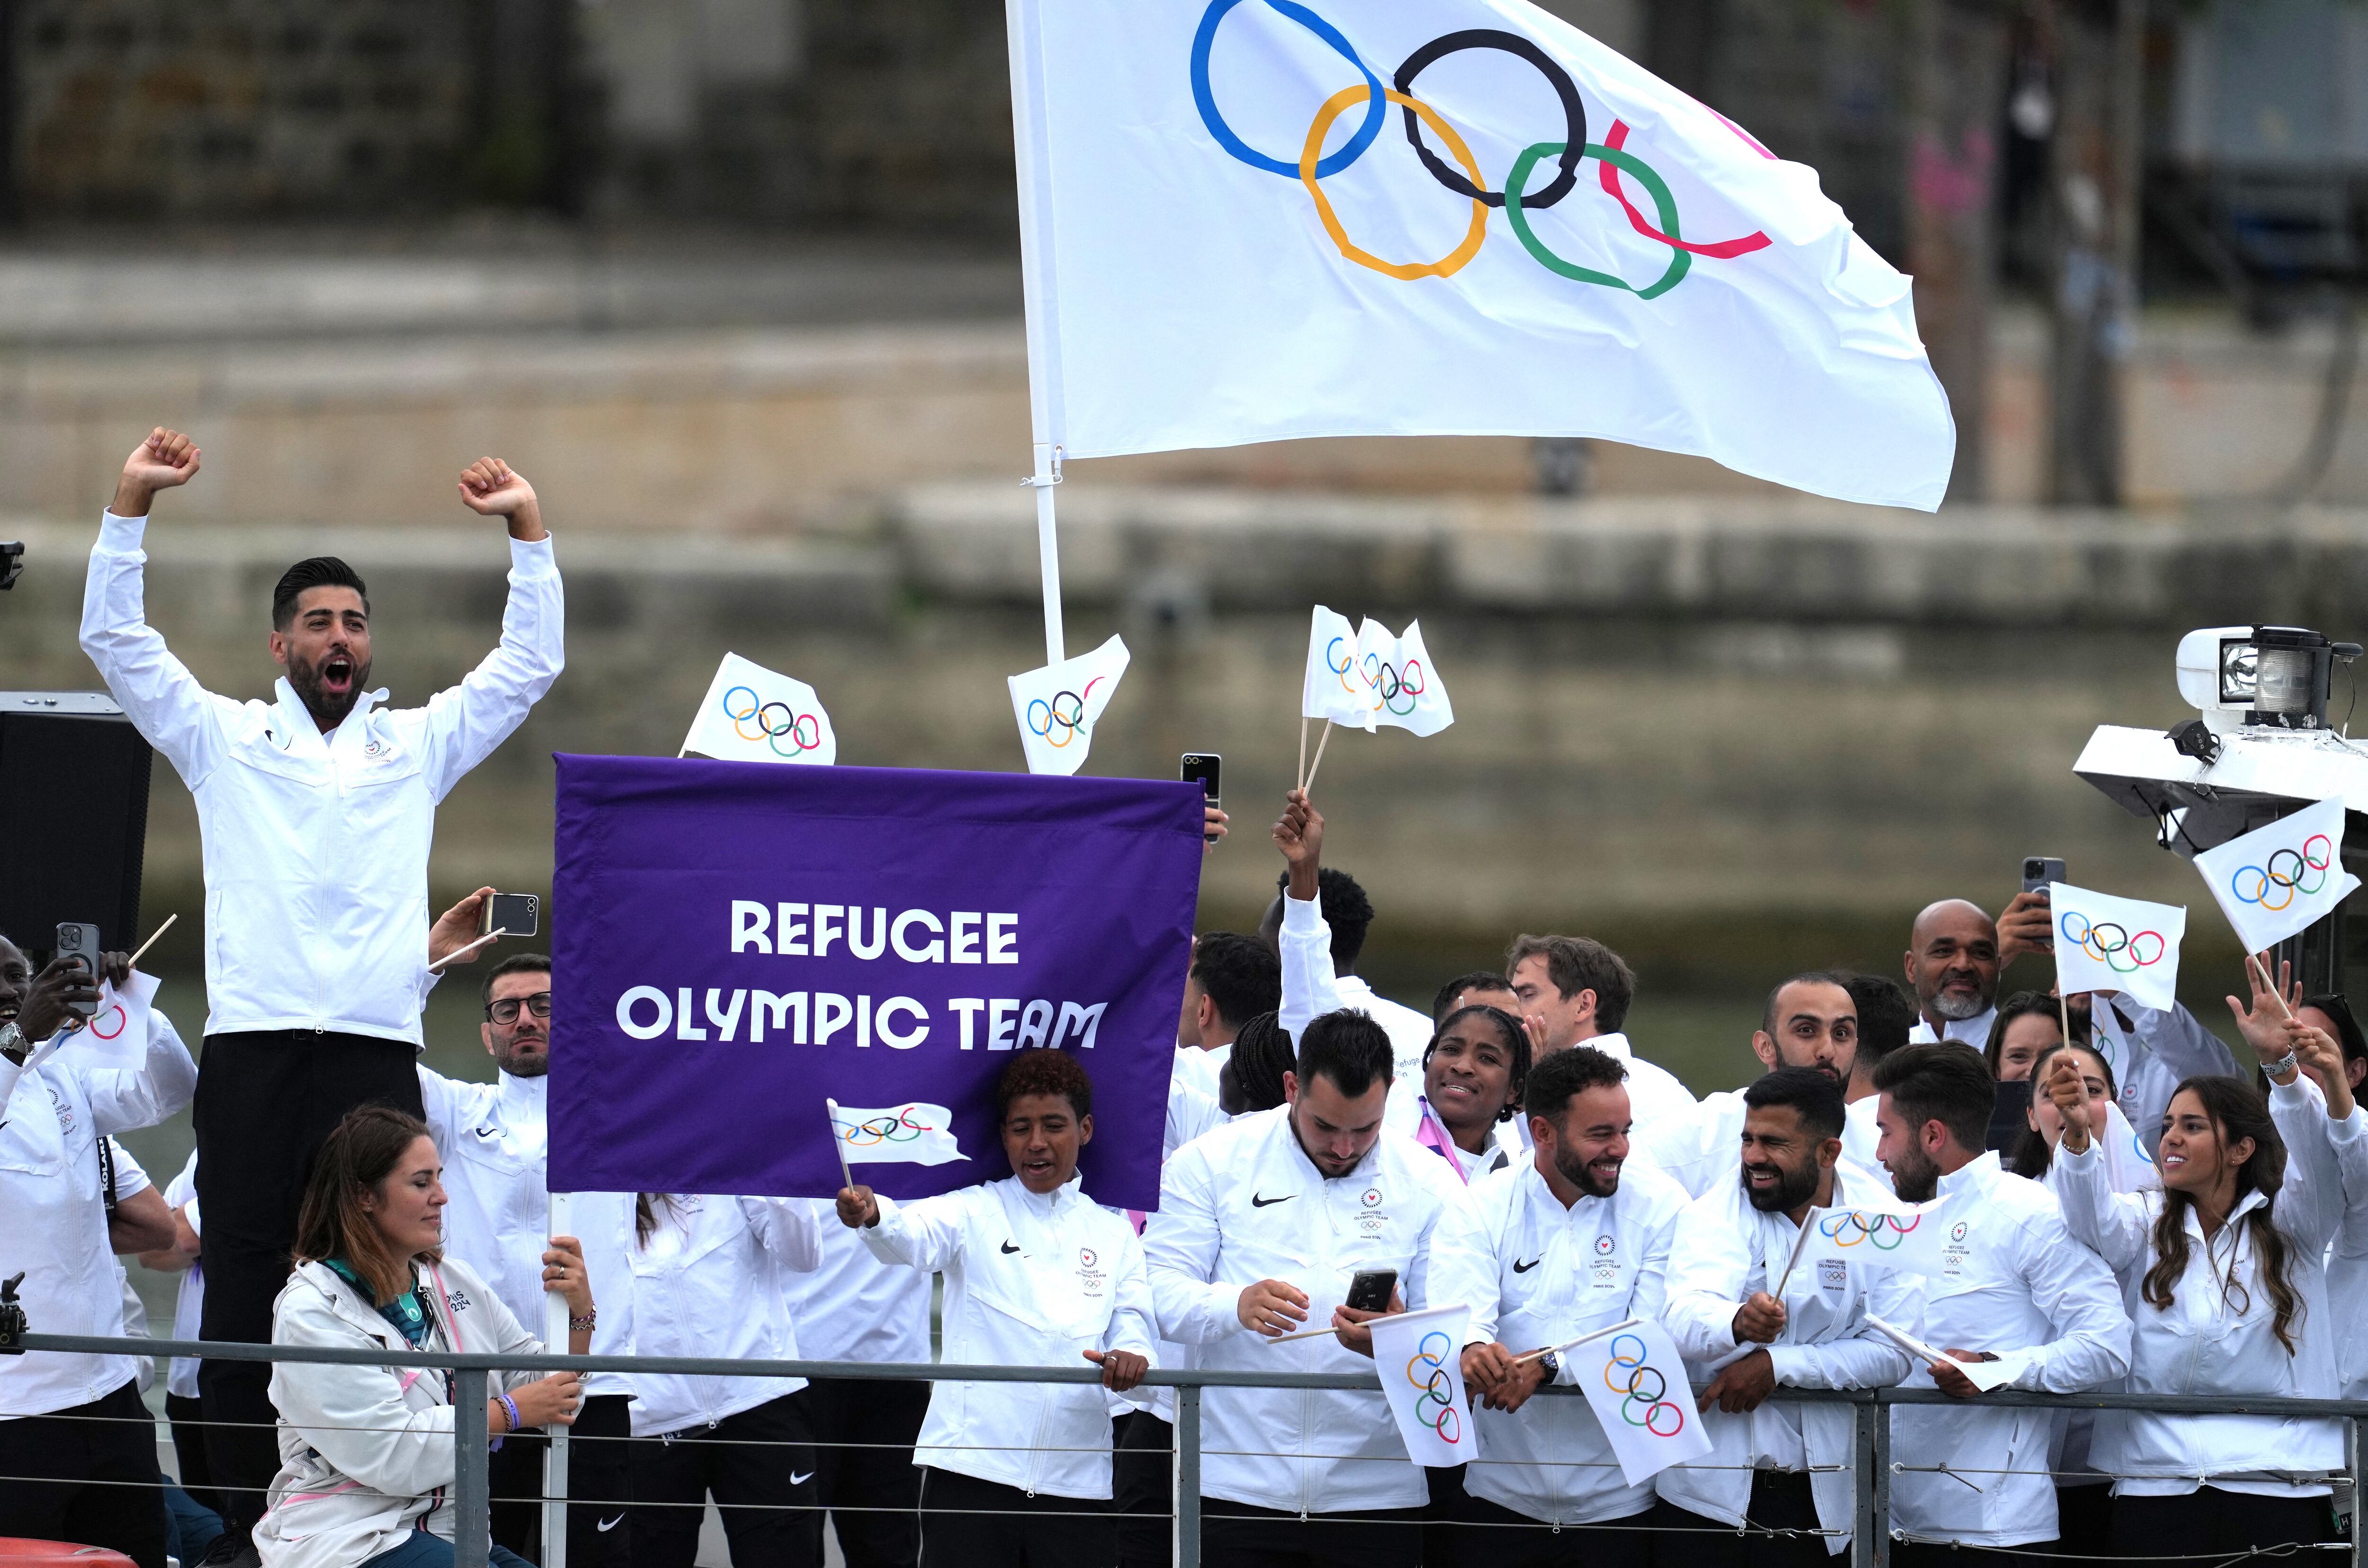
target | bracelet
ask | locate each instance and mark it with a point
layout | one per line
(586, 1324)
(509, 1409)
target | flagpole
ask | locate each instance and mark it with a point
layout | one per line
(1321, 742)
(554, 1454)
(1037, 291)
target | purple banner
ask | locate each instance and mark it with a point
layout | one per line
(735, 942)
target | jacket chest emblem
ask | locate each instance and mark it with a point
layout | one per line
(1603, 1269)
(1092, 1277)
(1372, 1219)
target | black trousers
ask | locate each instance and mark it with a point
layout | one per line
(2084, 1520)
(190, 1451)
(1498, 1535)
(1236, 1535)
(266, 1103)
(1010, 1529)
(1942, 1554)
(67, 1450)
(596, 1473)
(863, 1432)
(1143, 1490)
(2210, 1521)
(1780, 1500)
(759, 1467)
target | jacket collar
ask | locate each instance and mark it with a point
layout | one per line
(1976, 1178)
(2245, 1205)
(299, 717)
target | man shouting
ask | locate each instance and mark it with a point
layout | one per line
(315, 809)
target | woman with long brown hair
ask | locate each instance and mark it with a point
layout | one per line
(2223, 1271)
(366, 1452)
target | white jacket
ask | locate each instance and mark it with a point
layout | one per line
(1310, 989)
(366, 1452)
(1722, 1251)
(2218, 1337)
(707, 1283)
(315, 845)
(1031, 1280)
(2150, 1053)
(1244, 1204)
(1700, 1150)
(1537, 1273)
(53, 1111)
(2015, 1280)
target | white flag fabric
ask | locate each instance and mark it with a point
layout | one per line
(1058, 705)
(1405, 689)
(1420, 1356)
(915, 1133)
(2274, 881)
(2103, 943)
(1636, 1384)
(751, 714)
(1905, 1240)
(1983, 1375)
(117, 1034)
(1248, 221)
(1334, 688)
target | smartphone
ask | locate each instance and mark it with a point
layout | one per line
(1369, 1289)
(2006, 1123)
(2038, 870)
(1202, 769)
(78, 940)
(512, 914)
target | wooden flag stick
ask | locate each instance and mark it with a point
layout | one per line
(463, 952)
(839, 1143)
(1321, 742)
(151, 941)
(1311, 1333)
(2261, 966)
(1302, 772)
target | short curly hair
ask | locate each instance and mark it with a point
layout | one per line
(1044, 1072)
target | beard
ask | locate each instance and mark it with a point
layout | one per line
(1579, 1174)
(521, 1063)
(1915, 1178)
(1954, 1007)
(1794, 1185)
(329, 707)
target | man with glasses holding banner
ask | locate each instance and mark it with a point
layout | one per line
(495, 1141)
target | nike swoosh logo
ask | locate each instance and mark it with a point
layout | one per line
(605, 1525)
(801, 1480)
(1009, 1247)
(1258, 1202)
(1520, 1268)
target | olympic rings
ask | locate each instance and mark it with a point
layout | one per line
(775, 721)
(2288, 870)
(1404, 271)
(1206, 37)
(1635, 1392)
(114, 1015)
(1436, 1387)
(1389, 683)
(1313, 165)
(1343, 667)
(898, 1128)
(2108, 943)
(1574, 112)
(1865, 1228)
(1070, 723)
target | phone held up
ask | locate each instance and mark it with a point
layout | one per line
(511, 913)
(1369, 1289)
(1205, 770)
(2038, 870)
(79, 940)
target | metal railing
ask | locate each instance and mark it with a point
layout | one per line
(1873, 1468)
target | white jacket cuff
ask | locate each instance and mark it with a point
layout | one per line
(1791, 1362)
(886, 1239)
(534, 558)
(121, 535)
(1301, 917)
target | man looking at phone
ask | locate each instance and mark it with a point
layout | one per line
(315, 811)
(75, 1440)
(1263, 1226)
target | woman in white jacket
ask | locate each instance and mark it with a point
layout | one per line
(2223, 1271)
(1016, 1475)
(366, 1452)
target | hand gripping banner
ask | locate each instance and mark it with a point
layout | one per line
(735, 943)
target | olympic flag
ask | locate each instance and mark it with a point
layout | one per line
(914, 1133)
(735, 944)
(1333, 689)
(1635, 1383)
(1906, 1240)
(1370, 678)
(1058, 706)
(1248, 221)
(751, 714)
(2275, 880)
(117, 1034)
(1420, 1356)
(2103, 943)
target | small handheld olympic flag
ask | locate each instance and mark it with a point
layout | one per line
(117, 1034)
(751, 714)
(2103, 943)
(1905, 1241)
(1370, 678)
(1636, 1384)
(1058, 706)
(1333, 690)
(1420, 1356)
(2274, 881)
(914, 1133)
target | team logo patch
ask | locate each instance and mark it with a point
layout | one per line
(1957, 1231)
(1603, 1245)
(1372, 1197)
(1087, 1258)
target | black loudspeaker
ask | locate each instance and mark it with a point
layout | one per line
(73, 817)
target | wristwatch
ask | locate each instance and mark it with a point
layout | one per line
(1551, 1365)
(13, 1044)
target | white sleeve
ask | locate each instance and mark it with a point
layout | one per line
(1134, 1320)
(1708, 1263)
(125, 1098)
(1310, 988)
(171, 710)
(2178, 1039)
(1180, 1249)
(1465, 1267)
(2076, 1291)
(437, 1095)
(1651, 1300)
(924, 1235)
(786, 1228)
(1422, 1291)
(2112, 1224)
(131, 1176)
(2311, 1205)
(467, 721)
(1863, 1358)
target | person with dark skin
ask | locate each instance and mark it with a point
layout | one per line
(1471, 1083)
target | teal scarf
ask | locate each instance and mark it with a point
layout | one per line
(409, 1312)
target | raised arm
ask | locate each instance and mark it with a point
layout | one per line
(171, 710)
(467, 721)
(2324, 1133)
(924, 1235)
(1310, 988)
(2111, 1224)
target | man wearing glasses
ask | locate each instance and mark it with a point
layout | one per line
(495, 1142)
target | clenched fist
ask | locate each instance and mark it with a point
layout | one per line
(491, 487)
(165, 458)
